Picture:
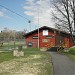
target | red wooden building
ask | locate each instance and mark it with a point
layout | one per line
(48, 37)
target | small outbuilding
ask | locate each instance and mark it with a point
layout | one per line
(48, 37)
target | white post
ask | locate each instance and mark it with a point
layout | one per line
(38, 28)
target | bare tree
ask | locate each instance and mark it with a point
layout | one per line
(7, 34)
(64, 16)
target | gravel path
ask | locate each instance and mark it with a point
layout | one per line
(62, 64)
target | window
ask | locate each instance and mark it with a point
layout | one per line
(35, 37)
(49, 36)
(45, 32)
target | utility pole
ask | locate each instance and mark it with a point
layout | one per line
(38, 28)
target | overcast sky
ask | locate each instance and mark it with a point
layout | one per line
(30, 9)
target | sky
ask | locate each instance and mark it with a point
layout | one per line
(38, 11)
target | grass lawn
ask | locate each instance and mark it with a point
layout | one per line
(70, 55)
(6, 56)
(34, 62)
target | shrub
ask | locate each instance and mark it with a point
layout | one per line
(72, 50)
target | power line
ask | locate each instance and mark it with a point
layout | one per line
(15, 13)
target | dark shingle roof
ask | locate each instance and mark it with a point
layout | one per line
(46, 27)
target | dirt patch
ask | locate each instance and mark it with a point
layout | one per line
(23, 66)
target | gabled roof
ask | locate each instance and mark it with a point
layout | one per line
(46, 27)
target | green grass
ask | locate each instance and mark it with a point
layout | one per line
(45, 59)
(72, 56)
(31, 49)
(6, 56)
(72, 50)
(71, 53)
